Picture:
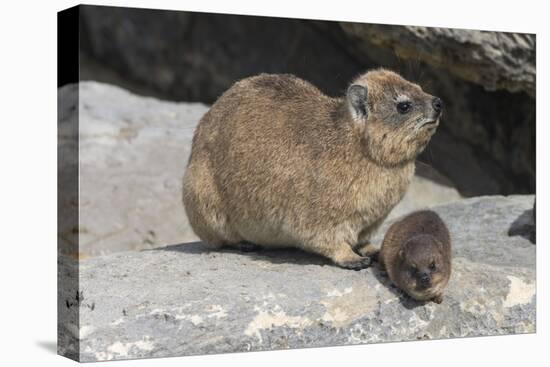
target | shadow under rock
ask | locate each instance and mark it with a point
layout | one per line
(275, 256)
(524, 226)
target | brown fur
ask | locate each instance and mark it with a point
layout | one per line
(277, 163)
(410, 246)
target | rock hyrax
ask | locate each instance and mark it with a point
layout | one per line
(277, 163)
(416, 253)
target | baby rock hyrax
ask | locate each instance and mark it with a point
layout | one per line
(277, 163)
(416, 253)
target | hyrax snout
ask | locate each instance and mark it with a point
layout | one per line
(277, 163)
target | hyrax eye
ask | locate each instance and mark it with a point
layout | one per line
(432, 266)
(404, 107)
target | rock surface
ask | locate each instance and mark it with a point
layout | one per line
(183, 300)
(428, 188)
(133, 153)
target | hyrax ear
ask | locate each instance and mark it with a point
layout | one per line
(401, 254)
(439, 244)
(357, 101)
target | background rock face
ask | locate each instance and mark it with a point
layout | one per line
(133, 153)
(485, 145)
(495, 60)
(197, 56)
(182, 300)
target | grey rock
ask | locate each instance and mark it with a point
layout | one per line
(184, 300)
(495, 60)
(133, 153)
(67, 166)
(427, 189)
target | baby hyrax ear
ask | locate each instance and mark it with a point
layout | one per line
(357, 101)
(401, 254)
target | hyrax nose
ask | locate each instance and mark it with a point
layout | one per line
(424, 279)
(437, 105)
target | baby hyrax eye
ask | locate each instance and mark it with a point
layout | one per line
(432, 266)
(404, 107)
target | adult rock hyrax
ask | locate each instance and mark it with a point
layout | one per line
(277, 163)
(416, 253)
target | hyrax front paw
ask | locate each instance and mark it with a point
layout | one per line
(367, 250)
(363, 263)
(438, 298)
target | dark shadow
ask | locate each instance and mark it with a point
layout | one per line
(428, 172)
(381, 275)
(50, 346)
(524, 226)
(276, 256)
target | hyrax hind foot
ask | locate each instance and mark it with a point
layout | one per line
(344, 257)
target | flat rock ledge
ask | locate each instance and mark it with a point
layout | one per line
(183, 300)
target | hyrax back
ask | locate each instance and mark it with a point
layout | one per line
(416, 253)
(277, 163)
